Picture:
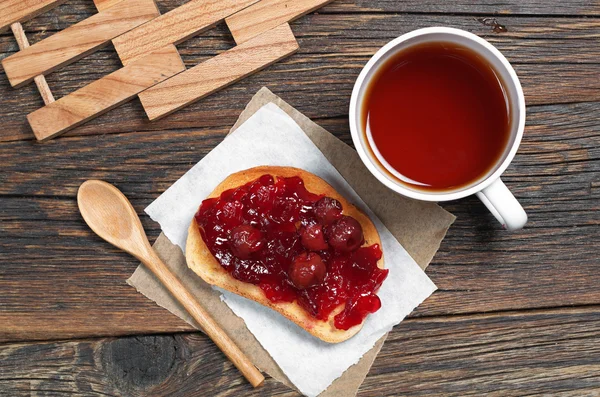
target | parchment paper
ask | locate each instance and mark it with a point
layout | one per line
(420, 227)
(271, 137)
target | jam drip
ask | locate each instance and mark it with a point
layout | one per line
(296, 246)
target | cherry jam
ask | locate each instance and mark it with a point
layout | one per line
(296, 246)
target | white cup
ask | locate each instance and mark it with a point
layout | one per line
(489, 188)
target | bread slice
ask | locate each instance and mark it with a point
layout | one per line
(203, 263)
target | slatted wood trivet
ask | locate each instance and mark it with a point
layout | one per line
(145, 42)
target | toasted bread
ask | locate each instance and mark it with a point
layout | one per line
(204, 264)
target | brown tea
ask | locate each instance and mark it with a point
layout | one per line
(438, 115)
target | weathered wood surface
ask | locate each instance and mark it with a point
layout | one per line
(516, 313)
(553, 262)
(546, 351)
(556, 59)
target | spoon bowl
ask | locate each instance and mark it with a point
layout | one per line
(111, 216)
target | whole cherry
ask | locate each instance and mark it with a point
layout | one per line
(307, 270)
(345, 234)
(327, 210)
(245, 240)
(313, 238)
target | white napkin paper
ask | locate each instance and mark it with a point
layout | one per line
(271, 137)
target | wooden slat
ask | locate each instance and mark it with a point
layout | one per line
(76, 41)
(544, 353)
(104, 94)
(267, 14)
(218, 72)
(12, 11)
(40, 81)
(168, 51)
(342, 31)
(102, 5)
(176, 26)
(321, 86)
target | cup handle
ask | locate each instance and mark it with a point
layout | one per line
(503, 205)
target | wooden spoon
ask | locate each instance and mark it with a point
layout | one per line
(111, 216)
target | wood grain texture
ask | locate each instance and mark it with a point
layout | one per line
(169, 51)
(104, 94)
(40, 81)
(360, 8)
(12, 11)
(556, 66)
(218, 72)
(76, 41)
(479, 268)
(505, 354)
(267, 14)
(176, 26)
(502, 7)
(102, 5)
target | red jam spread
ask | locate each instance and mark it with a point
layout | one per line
(296, 246)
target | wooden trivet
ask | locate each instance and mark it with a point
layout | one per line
(145, 42)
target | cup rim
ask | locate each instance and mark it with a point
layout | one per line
(396, 186)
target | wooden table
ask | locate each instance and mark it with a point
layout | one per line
(516, 313)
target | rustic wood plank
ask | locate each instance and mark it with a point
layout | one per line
(555, 176)
(267, 14)
(176, 26)
(547, 352)
(342, 32)
(557, 139)
(358, 8)
(218, 72)
(179, 365)
(503, 7)
(557, 69)
(75, 42)
(61, 289)
(506, 354)
(102, 5)
(169, 51)
(103, 95)
(12, 11)
(363, 34)
(321, 88)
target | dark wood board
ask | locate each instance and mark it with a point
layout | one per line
(556, 59)
(516, 313)
(553, 176)
(514, 353)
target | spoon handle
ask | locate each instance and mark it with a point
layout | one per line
(210, 327)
